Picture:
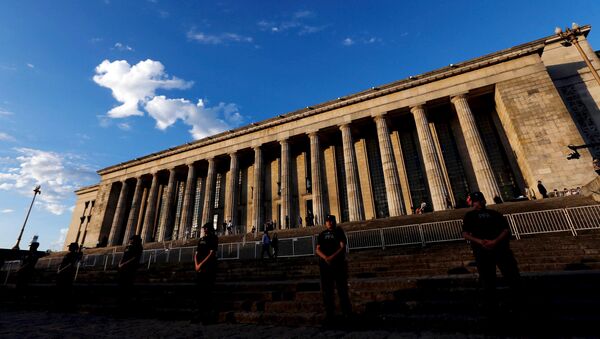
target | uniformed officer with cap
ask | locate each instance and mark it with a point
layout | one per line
(205, 264)
(27, 268)
(489, 234)
(331, 249)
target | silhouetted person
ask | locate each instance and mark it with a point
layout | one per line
(205, 264)
(275, 245)
(542, 189)
(489, 234)
(66, 275)
(266, 245)
(497, 200)
(128, 266)
(331, 249)
(27, 268)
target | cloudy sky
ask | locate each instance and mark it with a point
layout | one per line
(88, 84)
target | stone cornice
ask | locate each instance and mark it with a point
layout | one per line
(529, 48)
(87, 189)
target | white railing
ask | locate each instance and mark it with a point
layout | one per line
(527, 223)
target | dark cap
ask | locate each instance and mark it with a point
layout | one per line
(207, 225)
(73, 246)
(477, 196)
(330, 218)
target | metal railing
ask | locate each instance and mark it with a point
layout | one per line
(570, 220)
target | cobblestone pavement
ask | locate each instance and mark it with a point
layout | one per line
(29, 324)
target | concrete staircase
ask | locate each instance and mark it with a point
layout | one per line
(404, 287)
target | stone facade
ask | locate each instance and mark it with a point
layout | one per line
(498, 123)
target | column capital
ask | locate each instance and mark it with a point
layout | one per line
(284, 141)
(233, 154)
(417, 107)
(257, 148)
(313, 134)
(345, 125)
(380, 116)
(190, 164)
(458, 96)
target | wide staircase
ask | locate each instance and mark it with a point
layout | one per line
(406, 287)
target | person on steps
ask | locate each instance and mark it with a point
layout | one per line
(205, 264)
(266, 245)
(489, 234)
(331, 249)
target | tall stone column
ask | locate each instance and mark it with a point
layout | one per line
(207, 211)
(435, 178)
(231, 192)
(133, 211)
(188, 198)
(286, 197)
(117, 224)
(165, 217)
(390, 171)
(486, 180)
(315, 170)
(148, 227)
(257, 194)
(355, 207)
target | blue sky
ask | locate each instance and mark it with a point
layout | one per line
(88, 84)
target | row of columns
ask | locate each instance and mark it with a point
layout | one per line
(433, 163)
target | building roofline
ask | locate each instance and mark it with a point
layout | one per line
(86, 189)
(532, 47)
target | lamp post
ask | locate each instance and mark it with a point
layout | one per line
(36, 191)
(569, 37)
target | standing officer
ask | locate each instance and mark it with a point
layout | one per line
(489, 234)
(27, 268)
(331, 249)
(66, 275)
(128, 265)
(205, 264)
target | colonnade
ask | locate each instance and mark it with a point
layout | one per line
(143, 211)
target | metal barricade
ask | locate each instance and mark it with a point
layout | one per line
(364, 239)
(548, 221)
(584, 217)
(442, 231)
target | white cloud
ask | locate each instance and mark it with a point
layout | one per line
(297, 23)
(6, 210)
(131, 85)
(4, 112)
(217, 39)
(124, 126)
(204, 121)
(135, 87)
(348, 42)
(58, 174)
(30, 65)
(6, 137)
(58, 244)
(122, 47)
(364, 40)
(304, 14)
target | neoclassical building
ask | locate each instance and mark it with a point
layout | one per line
(497, 123)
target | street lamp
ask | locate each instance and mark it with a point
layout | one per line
(36, 191)
(569, 37)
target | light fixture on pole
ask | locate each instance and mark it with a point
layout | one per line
(36, 191)
(569, 37)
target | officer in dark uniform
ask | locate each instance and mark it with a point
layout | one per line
(489, 234)
(205, 264)
(331, 249)
(66, 275)
(27, 268)
(128, 266)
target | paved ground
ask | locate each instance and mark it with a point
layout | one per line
(29, 324)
